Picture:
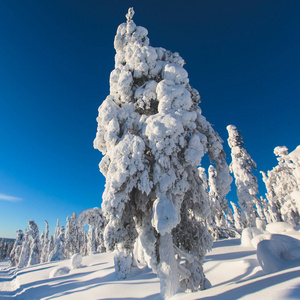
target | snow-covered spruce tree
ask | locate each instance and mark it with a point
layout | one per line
(260, 209)
(216, 221)
(5, 248)
(267, 210)
(58, 253)
(42, 240)
(153, 136)
(96, 221)
(238, 216)
(45, 246)
(57, 231)
(17, 248)
(24, 255)
(50, 247)
(35, 246)
(72, 236)
(281, 183)
(241, 166)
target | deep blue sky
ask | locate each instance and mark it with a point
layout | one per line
(55, 61)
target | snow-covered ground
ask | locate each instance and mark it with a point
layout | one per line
(232, 269)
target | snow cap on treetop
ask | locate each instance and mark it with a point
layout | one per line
(281, 151)
(130, 14)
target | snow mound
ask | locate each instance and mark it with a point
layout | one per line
(76, 261)
(248, 234)
(257, 239)
(59, 271)
(278, 253)
(279, 227)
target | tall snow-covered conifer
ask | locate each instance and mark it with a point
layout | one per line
(241, 166)
(153, 136)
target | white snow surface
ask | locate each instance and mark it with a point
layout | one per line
(233, 271)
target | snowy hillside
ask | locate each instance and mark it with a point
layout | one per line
(233, 271)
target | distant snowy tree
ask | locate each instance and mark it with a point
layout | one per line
(216, 221)
(96, 221)
(50, 247)
(42, 240)
(229, 218)
(267, 210)
(45, 246)
(260, 209)
(239, 216)
(152, 135)
(281, 184)
(57, 231)
(58, 252)
(72, 236)
(246, 182)
(5, 248)
(35, 246)
(24, 255)
(17, 248)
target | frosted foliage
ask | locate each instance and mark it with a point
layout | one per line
(35, 247)
(246, 182)
(58, 252)
(96, 221)
(282, 184)
(17, 248)
(24, 255)
(153, 137)
(73, 236)
(238, 216)
(45, 247)
(57, 231)
(216, 222)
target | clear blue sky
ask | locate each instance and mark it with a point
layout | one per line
(55, 61)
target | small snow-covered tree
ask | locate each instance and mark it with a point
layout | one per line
(17, 248)
(5, 248)
(57, 231)
(24, 255)
(50, 247)
(58, 252)
(216, 221)
(45, 246)
(73, 238)
(42, 240)
(238, 216)
(281, 184)
(35, 246)
(246, 182)
(152, 135)
(96, 222)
